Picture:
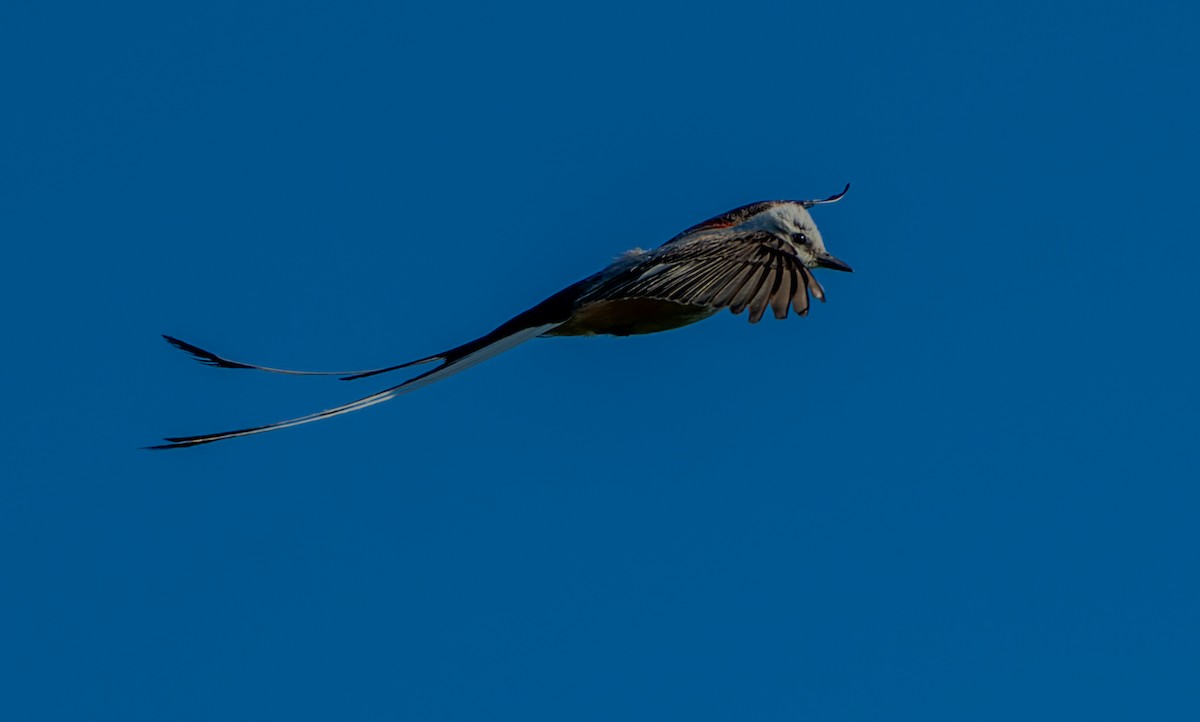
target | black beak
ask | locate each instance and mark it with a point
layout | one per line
(828, 261)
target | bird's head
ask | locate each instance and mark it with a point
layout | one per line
(788, 220)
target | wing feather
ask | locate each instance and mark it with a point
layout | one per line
(800, 295)
(746, 293)
(762, 296)
(754, 269)
(690, 286)
(781, 296)
(725, 296)
(706, 293)
(815, 287)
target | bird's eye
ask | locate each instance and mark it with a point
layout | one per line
(800, 238)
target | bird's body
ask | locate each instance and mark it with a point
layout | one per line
(754, 257)
(629, 317)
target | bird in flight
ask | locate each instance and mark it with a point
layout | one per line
(755, 257)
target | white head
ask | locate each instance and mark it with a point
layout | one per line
(790, 220)
(787, 220)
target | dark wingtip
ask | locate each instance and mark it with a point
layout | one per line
(207, 358)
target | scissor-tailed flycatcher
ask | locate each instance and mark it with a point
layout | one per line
(755, 257)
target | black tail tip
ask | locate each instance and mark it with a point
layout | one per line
(205, 357)
(182, 442)
(156, 447)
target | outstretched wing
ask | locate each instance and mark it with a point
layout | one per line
(753, 269)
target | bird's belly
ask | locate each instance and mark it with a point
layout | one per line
(628, 316)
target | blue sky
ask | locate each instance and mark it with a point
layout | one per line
(964, 488)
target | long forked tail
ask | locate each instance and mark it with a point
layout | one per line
(453, 361)
(211, 359)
